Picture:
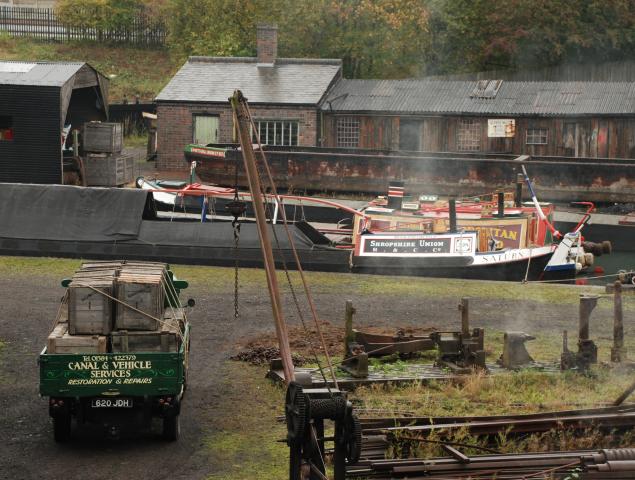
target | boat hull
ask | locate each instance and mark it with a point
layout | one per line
(457, 268)
(314, 169)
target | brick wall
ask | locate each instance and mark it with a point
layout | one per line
(175, 129)
(267, 43)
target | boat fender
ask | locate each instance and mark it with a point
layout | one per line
(578, 267)
(589, 259)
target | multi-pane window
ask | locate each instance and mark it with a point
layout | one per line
(536, 136)
(468, 135)
(347, 132)
(277, 132)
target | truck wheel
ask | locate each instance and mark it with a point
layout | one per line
(171, 428)
(62, 428)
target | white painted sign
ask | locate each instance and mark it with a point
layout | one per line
(418, 245)
(501, 127)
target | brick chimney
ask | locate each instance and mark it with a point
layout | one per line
(267, 43)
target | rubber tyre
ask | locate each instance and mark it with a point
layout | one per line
(62, 428)
(172, 428)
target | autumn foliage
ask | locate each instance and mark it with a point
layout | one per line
(390, 38)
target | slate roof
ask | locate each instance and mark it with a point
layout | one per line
(46, 74)
(214, 79)
(464, 97)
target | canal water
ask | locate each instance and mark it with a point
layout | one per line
(613, 263)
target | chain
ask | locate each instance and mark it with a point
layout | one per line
(238, 209)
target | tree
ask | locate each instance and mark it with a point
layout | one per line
(217, 27)
(374, 38)
(99, 14)
(469, 35)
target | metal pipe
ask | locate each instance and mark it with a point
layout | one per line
(501, 204)
(241, 119)
(452, 212)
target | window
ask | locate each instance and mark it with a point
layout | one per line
(205, 129)
(6, 128)
(536, 136)
(277, 132)
(348, 132)
(469, 135)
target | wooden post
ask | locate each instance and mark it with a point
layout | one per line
(627, 393)
(348, 324)
(618, 352)
(242, 121)
(587, 304)
(464, 307)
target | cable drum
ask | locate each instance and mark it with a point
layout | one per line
(331, 408)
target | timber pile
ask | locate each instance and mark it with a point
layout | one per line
(118, 307)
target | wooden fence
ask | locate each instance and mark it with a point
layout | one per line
(43, 24)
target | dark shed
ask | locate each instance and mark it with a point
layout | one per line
(37, 100)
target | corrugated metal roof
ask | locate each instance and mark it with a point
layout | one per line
(214, 79)
(46, 74)
(512, 98)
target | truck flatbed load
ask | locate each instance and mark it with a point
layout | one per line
(110, 375)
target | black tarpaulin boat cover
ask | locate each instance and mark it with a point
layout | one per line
(217, 234)
(106, 215)
(63, 212)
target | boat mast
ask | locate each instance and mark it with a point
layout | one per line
(242, 125)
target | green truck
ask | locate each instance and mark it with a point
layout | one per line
(111, 376)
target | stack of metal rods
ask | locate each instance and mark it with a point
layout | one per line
(606, 417)
(610, 464)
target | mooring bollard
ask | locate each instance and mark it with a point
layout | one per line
(618, 352)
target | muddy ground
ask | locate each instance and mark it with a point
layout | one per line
(29, 302)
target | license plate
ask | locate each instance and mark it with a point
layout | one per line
(111, 403)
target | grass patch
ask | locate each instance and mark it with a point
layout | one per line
(514, 392)
(45, 266)
(132, 71)
(137, 141)
(244, 444)
(2, 345)
(220, 279)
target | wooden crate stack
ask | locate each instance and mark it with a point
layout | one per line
(86, 320)
(117, 307)
(104, 162)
